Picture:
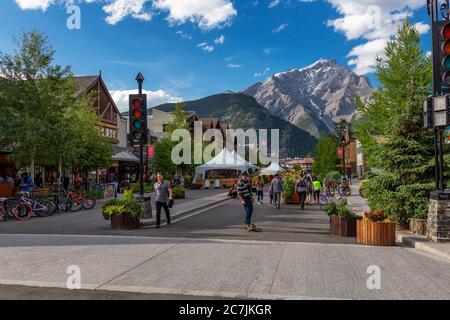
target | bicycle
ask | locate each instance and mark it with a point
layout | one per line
(17, 209)
(76, 202)
(344, 189)
(2, 211)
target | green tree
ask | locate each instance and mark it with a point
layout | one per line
(44, 121)
(326, 156)
(391, 130)
(162, 162)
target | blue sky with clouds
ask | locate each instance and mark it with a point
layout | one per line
(188, 49)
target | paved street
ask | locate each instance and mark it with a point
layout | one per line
(209, 254)
(222, 268)
(222, 222)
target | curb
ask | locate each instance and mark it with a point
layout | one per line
(420, 243)
(179, 215)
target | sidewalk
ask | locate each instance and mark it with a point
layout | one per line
(221, 268)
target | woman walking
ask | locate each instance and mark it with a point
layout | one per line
(260, 190)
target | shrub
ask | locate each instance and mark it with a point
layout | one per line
(343, 211)
(125, 205)
(179, 192)
(331, 209)
(333, 175)
(96, 194)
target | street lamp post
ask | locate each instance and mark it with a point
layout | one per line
(343, 156)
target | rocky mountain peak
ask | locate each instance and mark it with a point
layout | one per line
(313, 98)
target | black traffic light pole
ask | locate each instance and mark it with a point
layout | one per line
(433, 11)
(140, 80)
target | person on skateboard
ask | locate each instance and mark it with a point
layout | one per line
(246, 197)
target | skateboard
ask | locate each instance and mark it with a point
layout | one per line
(253, 229)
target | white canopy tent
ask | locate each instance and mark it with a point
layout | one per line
(272, 170)
(226, 160)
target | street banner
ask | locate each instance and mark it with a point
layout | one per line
(151, 151)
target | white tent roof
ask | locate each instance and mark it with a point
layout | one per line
(272, 170)
(226, 160)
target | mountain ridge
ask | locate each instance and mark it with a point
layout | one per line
(243, 112)
(313, 98)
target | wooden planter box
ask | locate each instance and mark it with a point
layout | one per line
(124, 221)
(418, 226)
(343, 227)
(375, 233)
(295, 199)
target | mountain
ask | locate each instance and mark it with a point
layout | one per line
(243, 112)
(313, 98)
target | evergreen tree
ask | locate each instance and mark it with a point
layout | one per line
(391, 130)
(326, 156)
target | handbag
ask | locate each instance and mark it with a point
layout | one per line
(171, 203)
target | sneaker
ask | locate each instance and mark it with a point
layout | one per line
(247, 227)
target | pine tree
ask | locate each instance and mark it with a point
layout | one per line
(391, 130)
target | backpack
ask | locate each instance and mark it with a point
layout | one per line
(301, 185)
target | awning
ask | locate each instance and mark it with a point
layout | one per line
(125, 156)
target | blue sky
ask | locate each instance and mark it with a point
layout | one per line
(189, 49)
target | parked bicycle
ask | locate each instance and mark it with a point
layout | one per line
(75, 202)
(17, 210)
(344, 189)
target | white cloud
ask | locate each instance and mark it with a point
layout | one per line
(374, 21)
(207, 14)
(263, 73)
(34, 4)
(119, 9)
(154, 98)
(220, 40)
(205, 47)
(280, 28)
(234, 66)
(422, 27)
(184, 35)
(274, 3)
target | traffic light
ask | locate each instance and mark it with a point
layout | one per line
(441, 56)
(138, 119)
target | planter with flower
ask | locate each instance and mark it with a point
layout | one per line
(124, 214)
(376, 229)
(342, 220)
(289, 194)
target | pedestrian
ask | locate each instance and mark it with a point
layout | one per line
(246, 197)
(163, 195)
(260, 190)
(317, 188)
(302, 190)
(182, 181)
(26, 183)
(310, 189)
(276, 187)
(38, 181)
(66, 182)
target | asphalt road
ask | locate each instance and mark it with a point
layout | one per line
(221, 222)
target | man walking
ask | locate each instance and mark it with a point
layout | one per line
(163, 195)
(276, 187)
(302, 190)
(246, 197)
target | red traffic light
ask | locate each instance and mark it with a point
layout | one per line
(446, 31)
(137, 103)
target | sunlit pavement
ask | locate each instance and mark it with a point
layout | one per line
(210, 255)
